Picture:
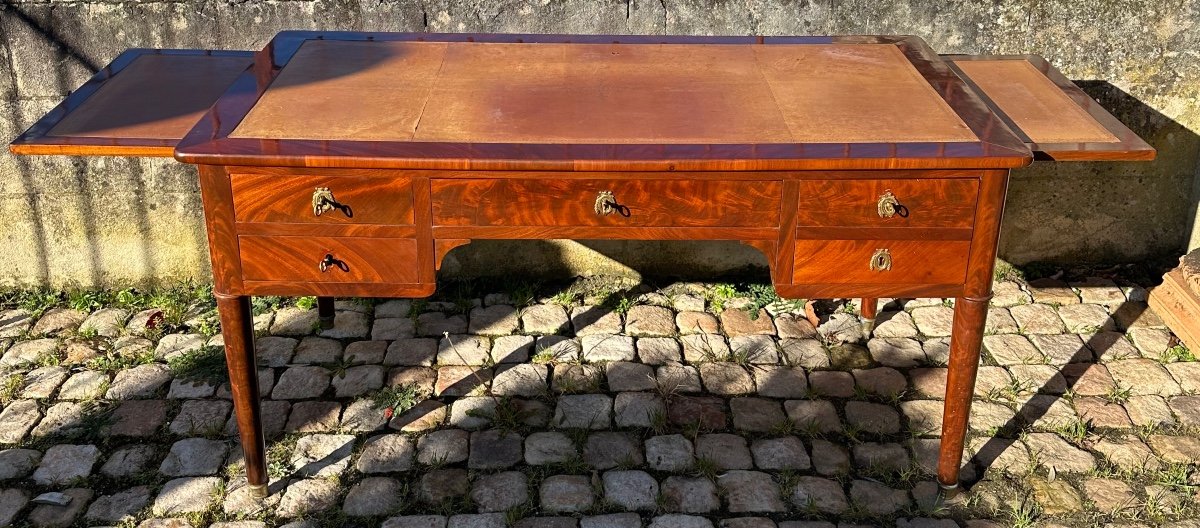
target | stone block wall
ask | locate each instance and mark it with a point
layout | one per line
(104, 222)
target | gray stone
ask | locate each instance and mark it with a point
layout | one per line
(785, 452)
(65, 463)
(638, 409)
(1038, 319)
(58, 320)
(750, 491)
(392, 328)
(756, 414)
(186, 495)
(13, 323)
(500, 491)
(882, 381)
(494, 449)
(41, 382)
(554, 348)
(566, 494)
(818, 494)
(672, 453)
(411, 352)
(725, 451)
(494, 320)
(872, 417)
(473, 412)
(549, 447)
(393, 308)
(16, 419)
(386, 454)
(523, 379)
(480, 520)
(545, 319)
(297, 383)
(1052, 451)
(588, 320)
(194, 457)
(874, 457)
(119, 507)
(307, 496)
(659, 350)
(627, 376)
(293, 321)
(27, 352)
(55, 516)
(585, 411)
(829, 458)
(187, 389)
(173, 345)
(815, 415)
(607, 347)
(877, 498)
(17, 463)
(441, 485)
(314, 417)
(365, 352)
(322, 455)
(363, 416)
(612, 520)
(464, 349)
(358, 380)
(12, 501)
(754, 349)
(726, 379)
(896, 352)
(461, 380)
(511, 349)
(274, 351)
(84, 385)
(698, 348)
(680, 521)
(348, 324)
(128, 461)
(610, 449)
(806, 353)
(318, 350)
(416, 521)
(779, 381)
(373, 496)
(447, 446)
(142, 381)
(631, 490)
(649, 321)
(689, 495)
(201, 417)
(674, 379)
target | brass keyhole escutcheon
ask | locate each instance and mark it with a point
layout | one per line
(323, 200)
(881, 260)
(606, 204)
(889, 206)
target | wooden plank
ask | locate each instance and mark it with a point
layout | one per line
(1179, 308)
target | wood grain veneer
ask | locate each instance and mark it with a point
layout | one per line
(665, 203)
(294, 258)
(855, 203)
(267, 198)
(848, 262)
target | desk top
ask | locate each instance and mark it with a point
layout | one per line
(587, 103)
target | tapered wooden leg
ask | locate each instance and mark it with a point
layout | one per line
(325, 312)
(965, 342)
(868, 310)
(237, 326)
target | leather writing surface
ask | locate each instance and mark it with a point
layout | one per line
(1034, 103)
(155, 97)
(602, 94)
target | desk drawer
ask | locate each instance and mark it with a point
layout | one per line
(642, 203)
(857, 203)
(298, 258)
(290, 199)
(906, 262)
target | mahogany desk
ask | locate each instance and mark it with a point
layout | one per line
(349, 164)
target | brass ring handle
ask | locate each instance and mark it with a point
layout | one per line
(881, 260)
(889, 206)
(330, 262)
(323, 200)
(606, 204)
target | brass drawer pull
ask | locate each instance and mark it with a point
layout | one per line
(606, 204)
(881, 260)
(323, 200)
(889, 206)
(330, 262)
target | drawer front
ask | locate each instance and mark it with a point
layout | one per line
(918, 203)
(298, 258)
(644, 203)
(910, 262)
(290, 199)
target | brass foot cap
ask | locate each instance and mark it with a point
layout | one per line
(868, 326)
(326, 323)
(258, 491)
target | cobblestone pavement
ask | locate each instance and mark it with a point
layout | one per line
(687, 406)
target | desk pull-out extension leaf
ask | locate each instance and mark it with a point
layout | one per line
(1053, 116)
(141, 104)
